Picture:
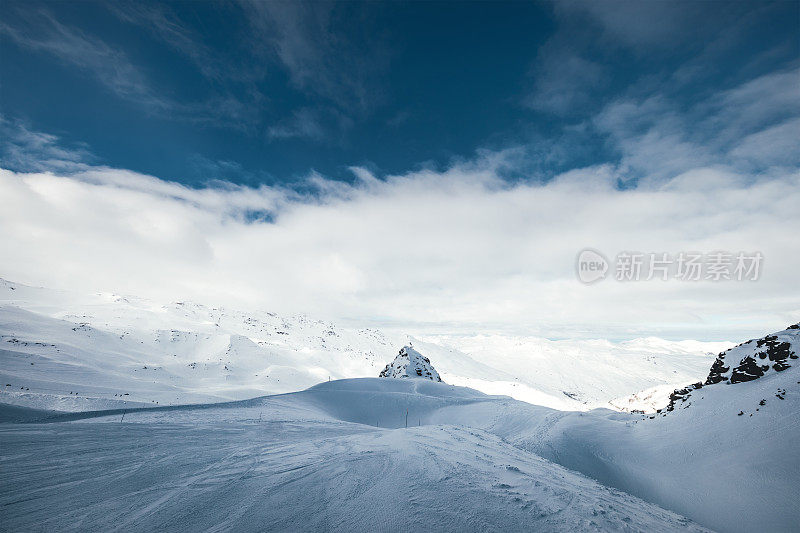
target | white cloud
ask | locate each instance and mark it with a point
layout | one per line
(311, 41)
(29, 150)
(756, 104)
(453, 251)
(779, 145)
(303, 123)
(750, 126)
(564, 82)
(640, 25)
(110, 66)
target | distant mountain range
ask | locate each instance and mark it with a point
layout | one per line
(70, 351)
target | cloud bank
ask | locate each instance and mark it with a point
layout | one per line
(454, 251)
(685, 153)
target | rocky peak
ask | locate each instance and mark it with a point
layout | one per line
(409, 363)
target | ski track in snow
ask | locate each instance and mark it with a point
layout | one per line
(337, 456)
(285, 463)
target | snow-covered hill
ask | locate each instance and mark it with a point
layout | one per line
(331, 456)
(74, 352)
(68, 351)
(327, 459)
(723, 456)
(745, 362)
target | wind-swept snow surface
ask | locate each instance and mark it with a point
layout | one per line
(339, 456)
(308, 461)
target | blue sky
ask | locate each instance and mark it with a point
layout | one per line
(433, 167)
(256, 92)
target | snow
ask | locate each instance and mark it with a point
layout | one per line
(645, 401)
(705, 460)
(89, 440)
(563, 374)
(92, 351)
(301, 461)
(345, 442)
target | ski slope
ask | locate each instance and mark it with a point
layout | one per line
(411, 454)
(725, 455)
(308, 461)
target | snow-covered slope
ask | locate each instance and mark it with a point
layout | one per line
(328, 457)
(757, 357)
(409, 363)
(724, 455)
(645, 401)
(68, 351)
(582, 374)
(745, 362)
(331, 457)
(308, 461)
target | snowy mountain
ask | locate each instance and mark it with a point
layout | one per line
(579, 374)
(327, 457)
(757, 357)
(71, 351)
(746, 362)
(67, 351)
(720, 456)
(409, 363)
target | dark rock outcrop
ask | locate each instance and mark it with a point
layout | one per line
(756, 358)
(409, 363)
